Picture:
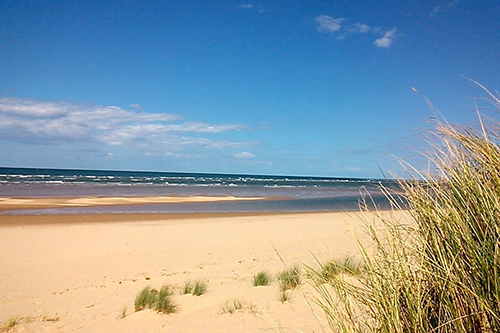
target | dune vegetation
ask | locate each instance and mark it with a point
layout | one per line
(437, 270)
(161, 301)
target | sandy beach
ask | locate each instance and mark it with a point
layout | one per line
(7, 203)
(82, 272)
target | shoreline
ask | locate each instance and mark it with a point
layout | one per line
(26, 203)
(75, 219)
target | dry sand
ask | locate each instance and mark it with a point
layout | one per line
(82, 271)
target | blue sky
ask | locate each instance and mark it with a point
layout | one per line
(260, 87)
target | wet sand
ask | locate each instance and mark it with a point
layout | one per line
(8, 204)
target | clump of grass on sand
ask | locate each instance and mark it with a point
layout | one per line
(262, 278)
(122, 313)
(145, 299)
(12, 322)
(197, 288)
(200, 287)
(161, 301)
(234, 305)
(9, 324)
(187, 288)
(289, 278)
(284, 296)
(438, 269)
(165, 303)
(231, 306)
(332, 268)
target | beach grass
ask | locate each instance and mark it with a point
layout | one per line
(196, 288)
(347, 265)
(165, 302)
(145, 299)
(290, 278)
(231, 306)
(122, 313)
(9, 324)
(199, 288)
(262, 278)
(161, 301)
(187, 288)
(284, 296)
(438, 269)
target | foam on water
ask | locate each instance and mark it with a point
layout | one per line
(294, 193)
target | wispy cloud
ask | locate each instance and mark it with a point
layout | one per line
(360, 28)
(443, 6)
(341, 28)
(387, 39)
(40, 122)
(249, 6)
(244, 154)
(30, 108)
(246, 6)
(325, 23)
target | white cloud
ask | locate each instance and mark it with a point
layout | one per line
(325, 23)
(249, 6)
(358, 28)
(200, 127)
(40, 122)
(342, 29)
(31, 108)
(387, 39)
(244, 155)
(443, 7)
(246, 6)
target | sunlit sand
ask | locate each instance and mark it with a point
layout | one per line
(84, 272)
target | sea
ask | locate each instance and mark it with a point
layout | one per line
(279, 193)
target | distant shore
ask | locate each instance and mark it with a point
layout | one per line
(8, 203)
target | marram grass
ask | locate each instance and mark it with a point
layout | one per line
(284, 296)
(161, 301)
(262, 278)
(439, 269)
(199, 288)
(231, 306)
(289, 278)
(196, 288)
(187, 288)
(9, 324)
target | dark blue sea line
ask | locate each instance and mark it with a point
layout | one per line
(282, 193)
(72, 176)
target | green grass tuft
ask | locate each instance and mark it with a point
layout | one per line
(290, 278)
(200, 287)
(347, 265)
(161, 301)
(187, 288)
(262, 278)
(197, 288)
(145, 299)
(165, 302)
